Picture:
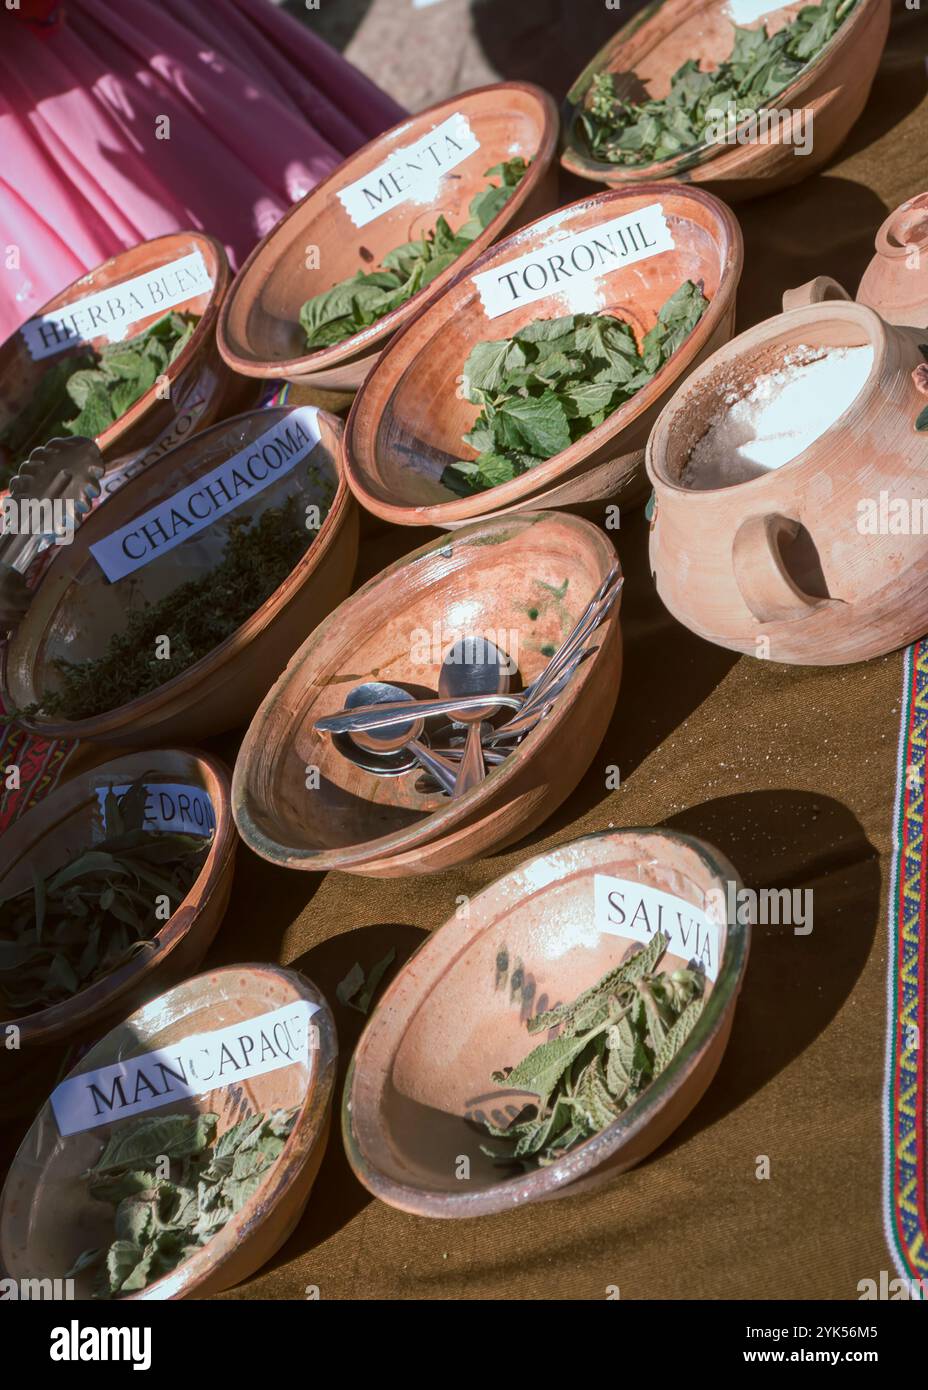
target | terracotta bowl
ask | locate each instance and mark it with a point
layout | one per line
(895, 282)
(521, 582)
(46, 1216)
(76, 608)
(790, 565)
(259, 331)
(397, 442)
(68, 821)
(200, 384)
(419, 1085)
(648, 50)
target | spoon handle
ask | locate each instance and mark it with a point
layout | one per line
(473, 769)
(444, 776)
(389, 716)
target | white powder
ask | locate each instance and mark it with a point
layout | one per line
(781, 415)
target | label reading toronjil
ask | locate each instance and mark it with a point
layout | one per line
(194, 1066)
(571, 265)
(110, 312)
(637, 911)
(269, 457)
(411, 173)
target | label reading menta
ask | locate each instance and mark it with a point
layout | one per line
(636, 911)
(175, 519)
(411, 173)
(571, 265)
(110, 312)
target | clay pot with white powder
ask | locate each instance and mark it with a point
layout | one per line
(791, 487)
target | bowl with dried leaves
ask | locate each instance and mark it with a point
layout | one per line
(533, 380)
(362, 253)
(555, 1034)
(126, 355)
(179, 1154)
(178, 602)
(743, 98)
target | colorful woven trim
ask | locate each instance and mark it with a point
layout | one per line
(39, 761)
(904, 1171)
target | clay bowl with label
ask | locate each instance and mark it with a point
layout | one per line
(419, 1087)
(189, 793)
(188, 268)
(520, 582)
(814, 112)
(77, 610)
(327, 237)
(407, 422)
(806, 562)
(47, 1216)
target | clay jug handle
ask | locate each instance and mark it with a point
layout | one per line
(766, 587)
(814, 292)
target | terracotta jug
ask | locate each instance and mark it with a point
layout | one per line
(895, 282)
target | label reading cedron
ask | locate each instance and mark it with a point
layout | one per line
(635, 910)
(173, 806)
(197, 1064)
(411, 173)
(269, 457)
(571, 265)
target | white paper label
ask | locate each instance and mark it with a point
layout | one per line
(172, 806)
(271, 456)
(411, 173)
(746, 11)
(110, 312)
(200, 1063)
(571, 265)
(637, 911)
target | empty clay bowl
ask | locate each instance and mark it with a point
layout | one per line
(318, 244)
(187, 792)
(199, 385)
(419, 1085)
(823, 102)
(47, 1217)
(895, 282)
(522, 583)
(406, 423)
(76, 608)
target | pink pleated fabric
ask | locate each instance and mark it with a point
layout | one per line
(125, 121)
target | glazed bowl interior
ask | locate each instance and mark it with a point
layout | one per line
(420, 1088)
(77, 609)
(521, 584)
(407, 424)
(20, 374)
(47, 1217)
(261, 325)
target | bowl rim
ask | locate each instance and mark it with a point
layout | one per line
(572, 156)
(98, 998)
(202, 334)
(309, 1127)
(359, 345)
(182, 686)
(358, 447)
(440, 949)
(452, 815)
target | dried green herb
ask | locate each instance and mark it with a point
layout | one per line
(612, 1040)
(161, 1221)
(356, 303)
(100, 386)
(198, 615)
(357, 990)
(97, 910)
(758, 67)
(554, 381)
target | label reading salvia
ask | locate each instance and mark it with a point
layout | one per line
(411, 173)
(571, 265)
(637, 911)
(110, 312)
(269, 457)
(171, 806)
(198, 1064)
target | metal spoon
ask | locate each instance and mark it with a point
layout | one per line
(370, 717)
(472, 666)
(403, 736)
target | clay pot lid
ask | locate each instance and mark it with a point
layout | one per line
(895, 282)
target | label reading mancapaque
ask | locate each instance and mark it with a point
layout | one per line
(411, 173)
(637, 911)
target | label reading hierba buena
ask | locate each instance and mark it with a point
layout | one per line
(410, 174)
(571, 265)
(173, 806)
(112, 311)
(197, 1064)
(637, 911)
(269, 457)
